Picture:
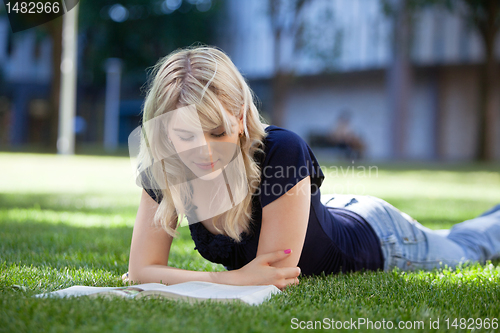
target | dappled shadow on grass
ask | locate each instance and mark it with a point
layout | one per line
(41, 257)
(88, 203)
(45, 257)
(52, 256)
(61, 245)
(354, 298)
(473, 292)
(141, 315)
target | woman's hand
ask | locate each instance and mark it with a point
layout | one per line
(260, 272)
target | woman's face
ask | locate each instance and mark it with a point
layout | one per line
(204, 153)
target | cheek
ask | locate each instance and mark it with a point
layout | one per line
(178, 147)
(185, 146)
(233, 138)
(226, 150)
(183, 150)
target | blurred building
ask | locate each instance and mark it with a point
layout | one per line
(441, 121)
(25, 70)
(25, 87)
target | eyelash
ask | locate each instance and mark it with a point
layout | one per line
(214, 135)
(219, 135)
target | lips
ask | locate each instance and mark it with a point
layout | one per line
(205, 166)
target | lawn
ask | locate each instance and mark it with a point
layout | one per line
(68, 221)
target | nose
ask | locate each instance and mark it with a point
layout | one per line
(205, 150)
(209, 148)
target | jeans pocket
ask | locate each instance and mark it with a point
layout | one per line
(414, 254)
(407, 252)
(410, 233)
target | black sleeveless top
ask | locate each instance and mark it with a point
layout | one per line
(336, 239)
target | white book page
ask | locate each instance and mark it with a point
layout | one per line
(201, 289)
(77, 291)
(194, 289)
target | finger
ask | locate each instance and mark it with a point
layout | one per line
(276, 256)
(291, 282)
(290, 272)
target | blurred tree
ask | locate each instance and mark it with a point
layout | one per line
(54, 30)
(399, 72)
(286, 19)
(137, 31)
(317, 38)
(140, 32)
(484, 16)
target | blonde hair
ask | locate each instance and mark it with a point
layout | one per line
(203, 76)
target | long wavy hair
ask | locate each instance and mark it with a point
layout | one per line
(205, 77)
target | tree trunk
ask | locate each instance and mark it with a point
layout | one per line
(279, 84)
(487, 107)
(399, 82)
(488, 86)
(282, 78)
(55, 32)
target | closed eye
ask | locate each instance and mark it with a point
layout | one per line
(219, 135)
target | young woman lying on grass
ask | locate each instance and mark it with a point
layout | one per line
(251, 193)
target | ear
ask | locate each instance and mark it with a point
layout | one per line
(240, 120)
(242, 112)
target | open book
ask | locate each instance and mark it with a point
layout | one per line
(191, 291)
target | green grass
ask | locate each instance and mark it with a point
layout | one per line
(68, 221)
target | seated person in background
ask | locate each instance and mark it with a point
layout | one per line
(342, 136)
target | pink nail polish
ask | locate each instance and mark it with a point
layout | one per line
(288, 251)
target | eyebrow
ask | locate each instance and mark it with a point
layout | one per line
(182, 130)
(185, 131)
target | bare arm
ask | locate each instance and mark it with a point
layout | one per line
(150, 250)
(284, 223)
(284, 226)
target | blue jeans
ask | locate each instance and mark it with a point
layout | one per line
(409, 245)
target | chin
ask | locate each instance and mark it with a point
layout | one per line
(209, 176)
